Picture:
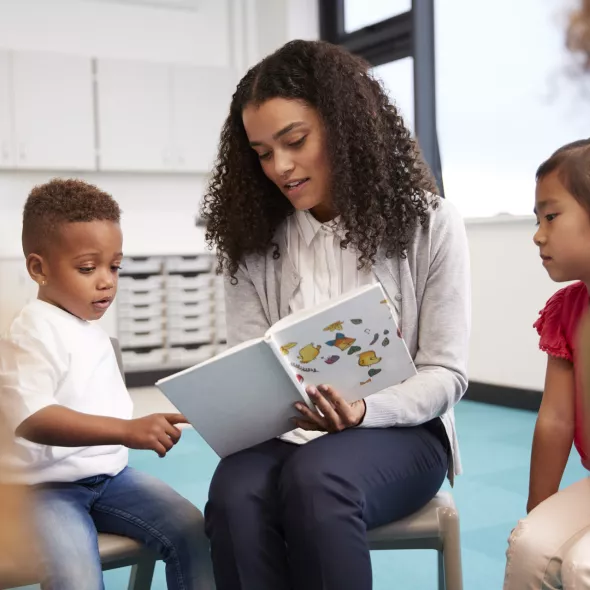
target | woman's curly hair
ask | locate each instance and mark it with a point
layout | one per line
(381, 192)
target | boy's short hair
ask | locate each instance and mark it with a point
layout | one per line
(572, 163)
(61, 201)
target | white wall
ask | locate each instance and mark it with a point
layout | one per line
(509, 288)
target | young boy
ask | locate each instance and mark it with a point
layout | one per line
(66, 401)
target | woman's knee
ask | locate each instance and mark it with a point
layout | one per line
(310, 481)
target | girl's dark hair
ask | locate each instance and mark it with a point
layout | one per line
(381, 193)
(572, 162)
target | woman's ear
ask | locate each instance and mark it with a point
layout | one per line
(36, 268)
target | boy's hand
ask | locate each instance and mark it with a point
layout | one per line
(155, 432)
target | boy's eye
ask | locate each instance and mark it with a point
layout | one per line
(116, 268)
(86, 269)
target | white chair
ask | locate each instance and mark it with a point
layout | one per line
(436, 526)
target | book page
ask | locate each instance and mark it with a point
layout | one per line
(354, 345)
(297, 317)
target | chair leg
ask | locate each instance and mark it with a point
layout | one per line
(142, 574)
(441, 571)
(451, 554)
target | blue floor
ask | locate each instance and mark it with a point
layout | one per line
(491, 497)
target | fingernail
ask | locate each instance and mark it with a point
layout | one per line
(299, 406)
(323, 388)
(312, 391)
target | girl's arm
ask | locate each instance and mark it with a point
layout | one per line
(554, 432)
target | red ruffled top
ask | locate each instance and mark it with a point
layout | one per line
(557, 327)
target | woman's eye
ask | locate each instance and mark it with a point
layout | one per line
(299, 142)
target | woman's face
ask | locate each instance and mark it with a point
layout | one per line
(289, 138)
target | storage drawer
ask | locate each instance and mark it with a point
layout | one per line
(190, 322)
(181, 357)
(141, 285)
(182, 282)
(140, 311)
(179, 264)
(189, 295)
(131, 298)
(141, 324)
(139, 360)
(188, 308)
(190, 336)
(141, 265)
(153, 338)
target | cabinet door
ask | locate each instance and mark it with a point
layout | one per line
(6, 136)
(133, 116)
(200, 99)
(53, 111)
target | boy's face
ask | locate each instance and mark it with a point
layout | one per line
(80, 268)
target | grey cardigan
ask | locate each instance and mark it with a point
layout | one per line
(430, 290)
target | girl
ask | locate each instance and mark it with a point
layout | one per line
(319, 189)
(550, 548)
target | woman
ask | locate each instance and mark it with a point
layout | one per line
(319, 189)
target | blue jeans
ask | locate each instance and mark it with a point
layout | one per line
(132, 504)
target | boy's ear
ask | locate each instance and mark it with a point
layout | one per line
(36, 268)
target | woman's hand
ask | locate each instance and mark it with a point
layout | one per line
(335, 415)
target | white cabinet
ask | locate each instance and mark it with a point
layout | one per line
(200, 105)
(160, 118)
(53, 111)
(6, 135)
(133, 115)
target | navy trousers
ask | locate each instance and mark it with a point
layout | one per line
(288, 517)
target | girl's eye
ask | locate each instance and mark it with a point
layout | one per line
(551, 216)
(86, 269)
(115, 268)
(264, 156)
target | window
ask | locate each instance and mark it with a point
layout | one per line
(505, 94)
(505, 99)
(362, 13)
(398, 78)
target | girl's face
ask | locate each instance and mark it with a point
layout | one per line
(563, 236)
(289, 138)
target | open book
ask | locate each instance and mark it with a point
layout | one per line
(245, 395)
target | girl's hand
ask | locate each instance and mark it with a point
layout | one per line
(336, 413)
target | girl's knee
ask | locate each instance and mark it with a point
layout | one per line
(575, 570)
(526, 558)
